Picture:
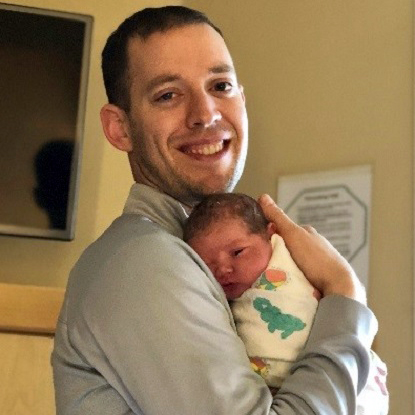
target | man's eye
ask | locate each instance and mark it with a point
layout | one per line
(166, 97)
(223, 86)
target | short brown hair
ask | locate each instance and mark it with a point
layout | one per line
(141, 24)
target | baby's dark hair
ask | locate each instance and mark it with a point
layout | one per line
(225, 205)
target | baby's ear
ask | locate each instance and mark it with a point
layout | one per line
(271, 229)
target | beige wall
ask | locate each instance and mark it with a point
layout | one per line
(329, 84)
(25, 375)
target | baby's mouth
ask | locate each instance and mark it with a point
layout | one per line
(228, 285)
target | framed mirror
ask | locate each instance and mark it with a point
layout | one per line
(44, 59)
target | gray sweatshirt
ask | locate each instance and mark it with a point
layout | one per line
(146, 329)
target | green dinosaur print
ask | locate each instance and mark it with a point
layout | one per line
(277, 320)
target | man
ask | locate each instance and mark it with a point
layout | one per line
(145, 328)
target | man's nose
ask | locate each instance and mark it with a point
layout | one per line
(202, 111)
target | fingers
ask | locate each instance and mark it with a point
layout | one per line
(320, 262)
(276, 215)
(310, 229)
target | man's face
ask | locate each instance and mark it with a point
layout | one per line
(187, 118)
(236, 256)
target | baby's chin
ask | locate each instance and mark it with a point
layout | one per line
(234, 291)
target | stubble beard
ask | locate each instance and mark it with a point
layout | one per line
(175, 182)
(179, 185)
(197, 192)
(190, 192)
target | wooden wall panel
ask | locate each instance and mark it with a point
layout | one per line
(29, 309)
(26, 375)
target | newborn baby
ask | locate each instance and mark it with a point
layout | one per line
(272, 302)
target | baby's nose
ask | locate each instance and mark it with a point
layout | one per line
(223, 273)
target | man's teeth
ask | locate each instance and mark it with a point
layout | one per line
(208, 149)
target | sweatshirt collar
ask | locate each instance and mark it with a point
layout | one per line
(158, 207)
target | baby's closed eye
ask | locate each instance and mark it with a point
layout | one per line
(237, 252)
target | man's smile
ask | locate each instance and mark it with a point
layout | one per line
(205, 149)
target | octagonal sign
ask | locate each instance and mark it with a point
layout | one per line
(335, 212)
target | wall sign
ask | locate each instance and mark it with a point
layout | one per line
(337, 204)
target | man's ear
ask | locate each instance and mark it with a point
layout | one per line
(241, 88)
(116, 127)
(271, 229)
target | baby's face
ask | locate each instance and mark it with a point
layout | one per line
(235, 256)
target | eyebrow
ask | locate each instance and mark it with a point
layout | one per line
(165, 78)
(225, 68)
(162, 79)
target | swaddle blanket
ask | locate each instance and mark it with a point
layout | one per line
(274, 317)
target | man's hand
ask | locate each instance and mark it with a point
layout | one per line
(320, 262)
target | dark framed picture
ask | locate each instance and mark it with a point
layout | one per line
(44, 65)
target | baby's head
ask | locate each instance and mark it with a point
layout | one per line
(231, 234)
